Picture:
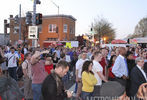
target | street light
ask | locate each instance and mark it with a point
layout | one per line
(104, 38)
(56, 6)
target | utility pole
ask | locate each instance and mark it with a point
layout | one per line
(34, 13)
(20, 22)
(34, 42)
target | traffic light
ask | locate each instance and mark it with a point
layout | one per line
(38, 19)
(91, 29)
(28, 18)
(38, 2)
(16, 19)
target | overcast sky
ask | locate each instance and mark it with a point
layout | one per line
(123, 14)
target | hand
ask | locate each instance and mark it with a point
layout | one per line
(142, 91)
(124, 77)
(77, 79)
(46, 51)
(69, 94)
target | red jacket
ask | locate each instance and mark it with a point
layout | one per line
(111, 75)
(103, 64)
(48, 68)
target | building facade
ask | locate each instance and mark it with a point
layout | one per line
(53, 28)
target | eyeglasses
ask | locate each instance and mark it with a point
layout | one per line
(141, 61)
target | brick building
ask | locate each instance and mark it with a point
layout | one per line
(53, 28)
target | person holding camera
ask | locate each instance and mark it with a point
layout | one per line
(38, 73)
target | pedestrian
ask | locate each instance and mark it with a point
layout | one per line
(48, 63)
(111, 76)
(52, 87)
(3, 62)
(79, 65)
(120, 68)
(130, 63)
(55, 59)
(98, 73)
(38, 73)
(12, 62)
(26, 66)
(88, 80)
(137, 76)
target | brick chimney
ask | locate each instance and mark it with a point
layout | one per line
(5, 26)
(11, 16)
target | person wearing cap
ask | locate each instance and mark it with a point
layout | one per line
(79, 65)
(38, 73)
(112, 90)
(137, 76)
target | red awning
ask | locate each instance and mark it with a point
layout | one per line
(118, 42)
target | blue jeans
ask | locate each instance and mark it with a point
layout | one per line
(12, 72)
(36, 88)
(86, 95)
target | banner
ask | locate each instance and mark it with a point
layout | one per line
(68, 45)
(74, 44)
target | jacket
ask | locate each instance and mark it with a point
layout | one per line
(136, 79)
(52, 88)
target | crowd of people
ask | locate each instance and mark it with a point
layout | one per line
(118, 73)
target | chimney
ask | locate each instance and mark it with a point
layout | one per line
(11, 16)
(5, 26)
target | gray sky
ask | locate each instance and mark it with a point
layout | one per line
(123, 14)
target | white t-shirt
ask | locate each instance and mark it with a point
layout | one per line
(97, 68)
(12, 61)
(79, 65)
(25, 51)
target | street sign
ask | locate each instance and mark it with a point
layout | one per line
(33, 32)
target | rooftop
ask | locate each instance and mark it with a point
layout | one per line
(64, 16)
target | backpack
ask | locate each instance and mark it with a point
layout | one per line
(19, 72)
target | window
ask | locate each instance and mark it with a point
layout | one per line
(52, 28)
(16, 30)
(65, 28)
(71, 30)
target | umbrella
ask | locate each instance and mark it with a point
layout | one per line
(118, 41)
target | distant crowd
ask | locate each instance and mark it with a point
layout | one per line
(117, 73)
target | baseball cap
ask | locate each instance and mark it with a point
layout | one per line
(112, 89)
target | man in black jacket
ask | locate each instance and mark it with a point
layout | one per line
(137, 77)
(52, 87)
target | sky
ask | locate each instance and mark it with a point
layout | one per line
(122, 14)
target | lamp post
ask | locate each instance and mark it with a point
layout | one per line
(57, 28)
(56, 6)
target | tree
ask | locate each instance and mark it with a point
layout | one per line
(141, 28)
(102, 29)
